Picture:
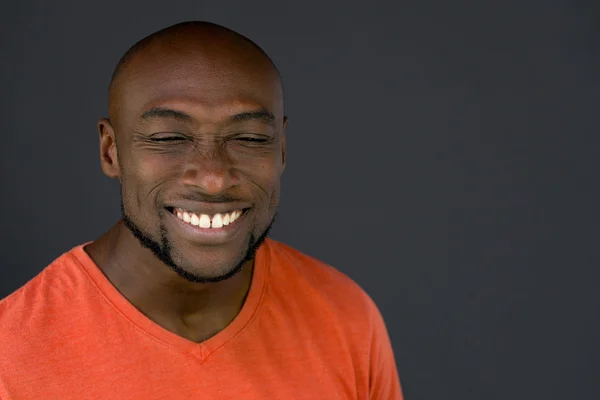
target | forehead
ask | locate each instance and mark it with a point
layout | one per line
(213, 86)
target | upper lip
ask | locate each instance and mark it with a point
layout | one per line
(208, 208)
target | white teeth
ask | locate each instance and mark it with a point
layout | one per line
(205, 221)
(217, 222)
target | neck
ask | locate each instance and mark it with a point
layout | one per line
(195, 311)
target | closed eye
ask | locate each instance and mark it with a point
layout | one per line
(167, 139)
(253, 140)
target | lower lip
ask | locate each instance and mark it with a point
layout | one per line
(209, 236)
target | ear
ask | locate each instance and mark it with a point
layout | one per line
(109, 160)
(283, 143)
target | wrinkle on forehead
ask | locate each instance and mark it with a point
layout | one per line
(191, 89)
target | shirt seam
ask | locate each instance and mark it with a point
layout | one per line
(109, 301)
(250, 320)
(200, 357)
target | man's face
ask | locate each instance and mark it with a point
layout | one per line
(201, 149)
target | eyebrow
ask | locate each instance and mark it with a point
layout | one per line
(262, 114)
(160, 112)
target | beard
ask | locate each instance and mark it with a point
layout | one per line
(163, 250)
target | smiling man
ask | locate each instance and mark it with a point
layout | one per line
(185, 297)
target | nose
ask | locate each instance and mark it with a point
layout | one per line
(208, 169)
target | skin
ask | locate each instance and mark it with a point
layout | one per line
(195, 119)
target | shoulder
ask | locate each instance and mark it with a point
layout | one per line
(310, 271)
(321, 284)
(35, 305)
(335, 315)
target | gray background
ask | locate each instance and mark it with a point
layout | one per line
(442, 154)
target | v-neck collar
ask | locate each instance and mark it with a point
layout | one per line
(200, 350)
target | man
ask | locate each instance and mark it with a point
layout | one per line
(185, 297)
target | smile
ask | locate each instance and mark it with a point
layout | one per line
(206, 221)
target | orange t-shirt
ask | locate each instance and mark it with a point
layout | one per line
(305, 332)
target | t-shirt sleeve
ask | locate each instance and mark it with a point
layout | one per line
(384, 382)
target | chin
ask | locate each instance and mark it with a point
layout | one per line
(209, 265)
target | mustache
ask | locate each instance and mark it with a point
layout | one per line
(204, 198)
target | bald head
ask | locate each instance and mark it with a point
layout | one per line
(204, 46)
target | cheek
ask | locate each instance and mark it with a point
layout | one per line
(265, 182)
(154, 168)
(275, 197)
(142, 176)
